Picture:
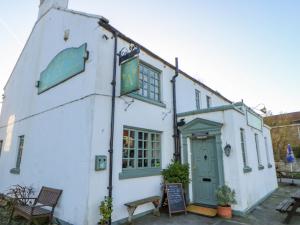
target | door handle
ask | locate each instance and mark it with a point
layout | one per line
(206, 179)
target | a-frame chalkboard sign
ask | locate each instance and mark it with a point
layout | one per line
(176, 201)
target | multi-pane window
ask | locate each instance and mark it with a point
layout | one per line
(141, 149)
(198, 99)
(1, 145)
(208, 101)
(257, 149)
(20, 151)
(243, 147)
(149, 83)
(267, 150)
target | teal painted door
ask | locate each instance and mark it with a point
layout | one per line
(204, 171)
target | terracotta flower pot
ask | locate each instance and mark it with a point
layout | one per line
(225, 211)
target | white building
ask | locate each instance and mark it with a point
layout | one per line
(51, 131)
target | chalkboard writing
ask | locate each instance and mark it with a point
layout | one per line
(175, 196)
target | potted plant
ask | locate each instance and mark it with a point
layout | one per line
(225, 197)
(105, 209)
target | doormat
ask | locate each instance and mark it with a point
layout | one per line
(200, 210)
(226, 222)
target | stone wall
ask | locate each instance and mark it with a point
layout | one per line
(283, 166)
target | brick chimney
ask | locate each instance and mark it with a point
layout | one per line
(45, 5)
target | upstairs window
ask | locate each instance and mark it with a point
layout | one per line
(1, 145)
(198, 99)
(208, 101)
(149, 83)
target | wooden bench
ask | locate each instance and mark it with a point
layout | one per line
(131, 206)
(285, 205)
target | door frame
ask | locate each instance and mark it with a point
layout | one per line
(203, 127)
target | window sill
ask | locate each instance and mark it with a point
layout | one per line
(147, 100)
(247, 169)
(270, 165)
(135, 173)
(15, 171)
(261, 167)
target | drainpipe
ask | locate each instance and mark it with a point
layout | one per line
(112, 122)
(175, 128)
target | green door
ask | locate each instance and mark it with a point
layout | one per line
(204, 171)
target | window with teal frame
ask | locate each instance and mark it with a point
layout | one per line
(1, 145)
(149, 83)
(141, 154)
(16, 170)
(198, 98)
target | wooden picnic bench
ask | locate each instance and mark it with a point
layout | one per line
(43, 206)
(131, 206)
(290, 206)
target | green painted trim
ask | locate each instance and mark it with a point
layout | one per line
(139, 172)
(270, 165)
(250, 209)
(147, 100)
(211, 125)
(212, 109)
(141, 129)
(15, 171)
(124, 220)
(260, 167)
(247, 169)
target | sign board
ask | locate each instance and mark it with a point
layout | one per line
(130, 76)
(63, 66)
(176, 201)
(254, 120)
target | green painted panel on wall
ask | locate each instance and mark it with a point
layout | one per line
(254, 120)
(64, 65)
(130, 76)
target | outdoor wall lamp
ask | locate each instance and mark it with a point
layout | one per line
(227, 150)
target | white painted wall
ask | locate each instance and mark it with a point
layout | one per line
(250, 187)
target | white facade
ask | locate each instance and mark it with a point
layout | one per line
(66, 126)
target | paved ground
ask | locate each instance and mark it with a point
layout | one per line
(265, 214)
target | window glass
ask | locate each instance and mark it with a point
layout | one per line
(197, 97)
(141, 149)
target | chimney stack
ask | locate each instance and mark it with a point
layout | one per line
(45, 5)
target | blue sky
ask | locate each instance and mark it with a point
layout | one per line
(244, 49)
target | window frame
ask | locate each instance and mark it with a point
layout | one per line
(267, 152)
(198, 99)
(246, 167)
(208, 101)
(257, 146)
(141, 171)
(21, 141)
(1, 146)
(147, 98)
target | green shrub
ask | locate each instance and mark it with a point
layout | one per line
(225, 196)
(176, 173)
(105, 209)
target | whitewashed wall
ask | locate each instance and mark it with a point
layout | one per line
(253, 186)
(57, 140)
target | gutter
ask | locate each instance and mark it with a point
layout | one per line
(103, 22)
(177, 156)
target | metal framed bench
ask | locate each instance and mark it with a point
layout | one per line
(131, 206)
(43, 206)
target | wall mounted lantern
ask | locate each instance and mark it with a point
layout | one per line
(227, 150)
